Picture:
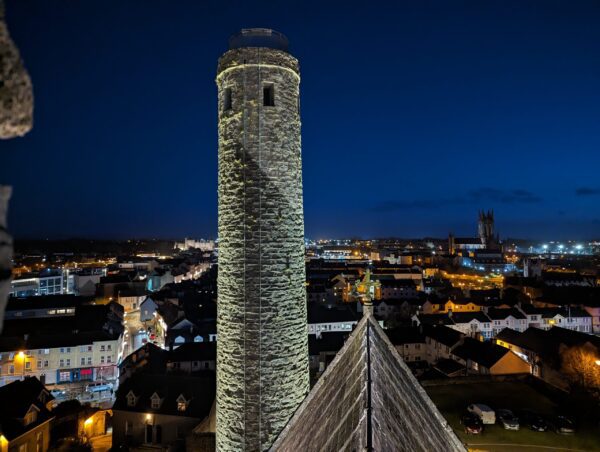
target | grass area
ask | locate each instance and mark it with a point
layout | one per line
(452, 401)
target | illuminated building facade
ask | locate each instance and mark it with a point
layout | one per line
(262, 358)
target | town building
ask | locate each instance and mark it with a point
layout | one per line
(159, 411)
(61, 342)
(25, 416)
(487, 358)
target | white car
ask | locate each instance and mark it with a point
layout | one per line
(485, 413)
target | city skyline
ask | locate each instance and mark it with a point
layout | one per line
(410, 127)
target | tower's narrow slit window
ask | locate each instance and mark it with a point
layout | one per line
(269, 96)
(227, 99)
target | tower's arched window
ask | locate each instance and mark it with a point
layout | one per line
(227, 103)
(269, 95)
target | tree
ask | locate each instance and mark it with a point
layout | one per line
(580, 364)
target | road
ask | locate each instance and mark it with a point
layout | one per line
(101, 443)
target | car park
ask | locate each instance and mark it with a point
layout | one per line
(471, 423)
(563, 425)
(507, 419)
(485, 413)
(533, 420)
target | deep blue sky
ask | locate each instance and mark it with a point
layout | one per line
(414, 116)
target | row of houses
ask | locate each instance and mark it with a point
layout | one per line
(61, 339)
(487, 323)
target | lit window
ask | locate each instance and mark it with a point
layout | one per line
(155, 401)
(30, 417)
(131, 399)
(181, 403)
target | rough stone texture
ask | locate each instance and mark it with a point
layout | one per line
(5, 252)
(16, 95)
(367, 399)
(262, 351)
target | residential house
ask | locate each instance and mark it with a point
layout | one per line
(193, 357)
(159, 411)
(487, 358)
(409, 341)
(25, 416)
(323, 319)
(440, 341)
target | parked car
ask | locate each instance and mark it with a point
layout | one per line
(563, 425)
(472, 423)
(533, 420)
(97, 387)
(507, 419)
(58, 392)
(485, 413)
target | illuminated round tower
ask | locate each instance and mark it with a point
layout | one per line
(262, 347)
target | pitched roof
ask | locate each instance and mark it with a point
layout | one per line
(501, 314)
(449, 367)
(483, 353)
(442, 334)
(331, 341)
(367, 399)
(405, 335)
(322, 314)
(194, 351)
(17, 398)
(199, 390)
(466, 317)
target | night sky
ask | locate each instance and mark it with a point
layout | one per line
(413, 118)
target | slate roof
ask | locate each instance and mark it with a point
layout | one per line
(466, 317)
(321, 314)
(16, 399)
(367, 399)
(442, 334)
(501, 314)
(200, 390)
(405, 335)
(331, 341)
(449, 367)
(194, 351)
(483, 353)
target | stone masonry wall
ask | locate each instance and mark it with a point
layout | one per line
(16, 118)
(262, 352)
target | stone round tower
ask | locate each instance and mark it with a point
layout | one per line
(262, 347)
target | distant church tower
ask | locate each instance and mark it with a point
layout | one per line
(486, 228)
(262, 348)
